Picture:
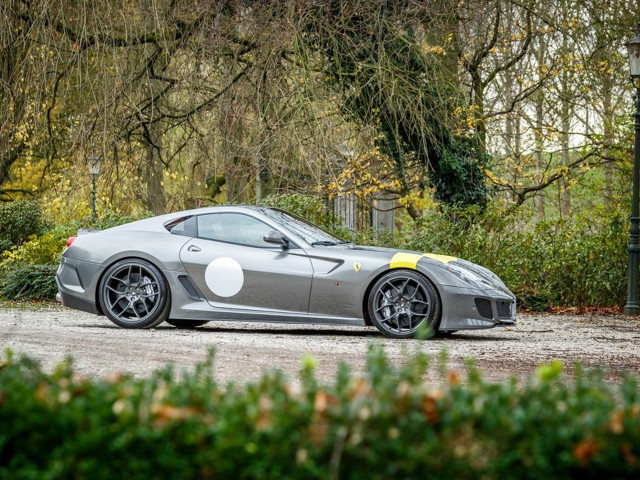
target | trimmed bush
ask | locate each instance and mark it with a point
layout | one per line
(387, 424)
(555, 262)
(19, 220)
(29, 282)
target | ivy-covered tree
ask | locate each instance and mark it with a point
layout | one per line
(378, 56)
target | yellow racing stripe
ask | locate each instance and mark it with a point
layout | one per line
(405, 260)
(410, 260)
(440, 258)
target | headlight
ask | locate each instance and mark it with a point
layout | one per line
(468, 276)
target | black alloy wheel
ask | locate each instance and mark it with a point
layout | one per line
(404, 304)
(134, 294)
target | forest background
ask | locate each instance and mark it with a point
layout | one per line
(501, 130)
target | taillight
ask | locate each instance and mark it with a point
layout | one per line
(70, 240)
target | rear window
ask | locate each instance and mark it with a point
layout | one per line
(183, 226)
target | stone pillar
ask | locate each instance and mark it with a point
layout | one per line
(383, 215)
(344, 208)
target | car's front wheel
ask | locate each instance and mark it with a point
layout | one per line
(404, 304)
(133, 293)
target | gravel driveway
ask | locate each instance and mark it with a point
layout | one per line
(245, 350)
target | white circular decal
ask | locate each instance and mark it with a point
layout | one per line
(224, 277)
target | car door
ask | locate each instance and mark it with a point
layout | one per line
(235, 268)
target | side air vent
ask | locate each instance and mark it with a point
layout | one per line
(191, 290)
(484, 307)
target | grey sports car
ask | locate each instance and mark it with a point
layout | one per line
(241, 263)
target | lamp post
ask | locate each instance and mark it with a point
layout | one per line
(94, 171)
(632, 307)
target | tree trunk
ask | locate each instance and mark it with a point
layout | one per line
(539, 137)
(540, 167)
(607, 119)
(154, 172)
(478, 104)
(565, 121)
(565, 197)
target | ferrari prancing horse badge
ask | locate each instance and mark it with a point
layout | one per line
(357, 266)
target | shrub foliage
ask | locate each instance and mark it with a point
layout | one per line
(582, 262)
(19, 220)
(29, 282)
(42, 249)
(556, 262)
(389, 423)
(28, 263)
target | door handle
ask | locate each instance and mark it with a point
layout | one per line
(193, 248)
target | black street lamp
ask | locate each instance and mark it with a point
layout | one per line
(632, 307)
(94, 171)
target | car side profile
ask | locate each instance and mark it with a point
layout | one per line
(253, 263)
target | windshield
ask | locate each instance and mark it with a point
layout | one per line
(311, 234)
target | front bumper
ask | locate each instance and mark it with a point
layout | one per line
(469, 308)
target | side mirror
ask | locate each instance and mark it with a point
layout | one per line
(276, 237)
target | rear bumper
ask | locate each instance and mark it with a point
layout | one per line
(76, 283)
(77, 303)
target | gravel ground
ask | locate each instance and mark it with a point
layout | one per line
(245, 350)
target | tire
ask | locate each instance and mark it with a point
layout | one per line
(404, 304)
(133, 293)
(187, 323)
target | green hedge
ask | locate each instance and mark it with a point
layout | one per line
(389, 423)
(19, 220)
(559, 263)
(582, 262)
(29, 282)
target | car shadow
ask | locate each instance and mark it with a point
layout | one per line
(369, 332)
(356, 332)
(476, 337)
(347, 332)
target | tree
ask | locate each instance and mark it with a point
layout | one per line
(190, 102)
(376, 56)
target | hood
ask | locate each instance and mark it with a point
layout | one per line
(471, 273)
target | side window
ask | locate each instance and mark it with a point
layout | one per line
(233, 228)
(182, 226)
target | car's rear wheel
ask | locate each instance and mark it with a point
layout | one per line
(187, 323)
(404, 304)
(133, 293)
